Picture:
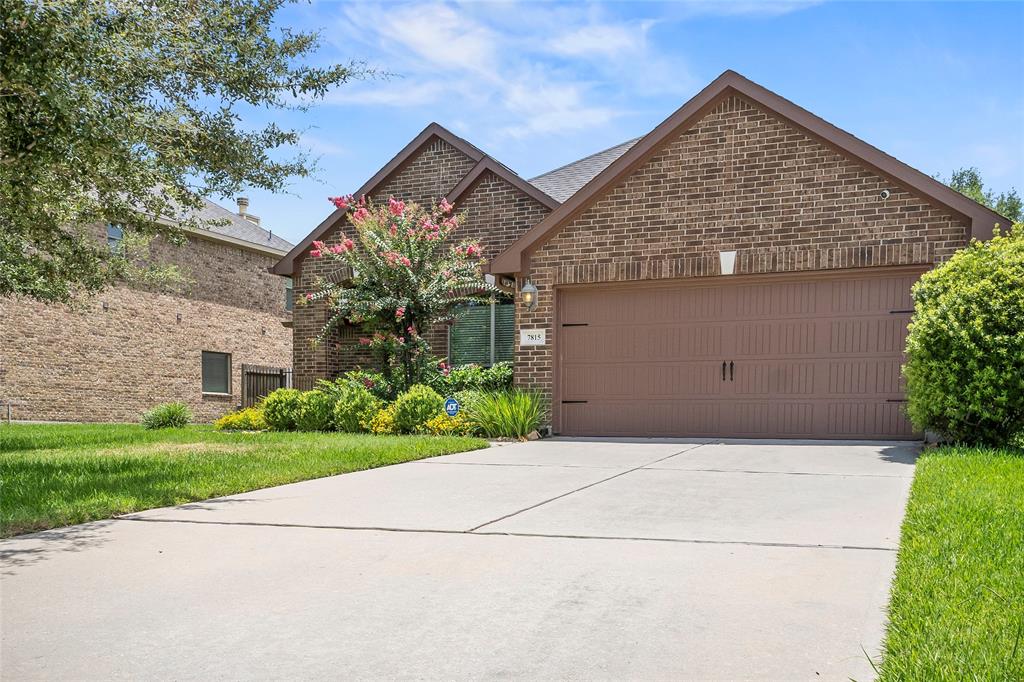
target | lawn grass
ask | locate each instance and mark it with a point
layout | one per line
(957, 607)
(60, 474)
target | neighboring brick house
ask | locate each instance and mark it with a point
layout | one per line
(127, 349)
(742, 270)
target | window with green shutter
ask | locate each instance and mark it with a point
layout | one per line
(470, 337)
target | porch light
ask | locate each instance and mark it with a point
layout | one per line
(529, 293)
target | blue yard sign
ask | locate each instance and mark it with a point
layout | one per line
(451, 407)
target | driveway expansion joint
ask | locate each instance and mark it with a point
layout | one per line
(516, 534)
(589, 485)
(779, 473)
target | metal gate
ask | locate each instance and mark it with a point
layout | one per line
(258, 381)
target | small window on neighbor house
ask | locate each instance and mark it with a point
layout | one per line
(289, 294)
(216, 372)
(115, 233)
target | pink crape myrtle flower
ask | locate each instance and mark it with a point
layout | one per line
(445, 206)
(316, 253)
(341, 202)
(360, 215)
(309, 297)
(400, 313)
(472, 250)
(364, 341)
(396, 207)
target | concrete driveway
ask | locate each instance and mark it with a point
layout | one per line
(568, 559)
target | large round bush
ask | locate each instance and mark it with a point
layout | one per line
(354, 408)
(965, 351)
(416, 407)
(281, 409)
(316, 411)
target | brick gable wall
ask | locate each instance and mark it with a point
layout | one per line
(496, 215)
(94, 364)
(741, 180)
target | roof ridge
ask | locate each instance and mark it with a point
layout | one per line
(588, 156)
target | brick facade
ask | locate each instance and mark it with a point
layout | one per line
(125, 349)
(496, 214)
(743, 180)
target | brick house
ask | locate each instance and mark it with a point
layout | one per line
(127, 348)
(744, 269)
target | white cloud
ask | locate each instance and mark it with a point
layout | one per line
(549, 108)
(601, 39)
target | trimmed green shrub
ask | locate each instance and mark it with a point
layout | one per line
(281, 409)
(507, 414)
(416, 407)
(316, 411)
(249, 419)
(443, 425)
(167, 416)
(372, 381)
(354, 407)
(472, 377)
(965, 351)
(383, 422)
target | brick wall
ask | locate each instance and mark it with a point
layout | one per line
(91, 364)
(496, 214)
(738, 180)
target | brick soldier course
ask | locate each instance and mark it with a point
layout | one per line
(737, 168)
(127, 349)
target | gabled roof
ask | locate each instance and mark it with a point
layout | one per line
(286, 265)
(501, 170)
(566, 180)
(981, 219)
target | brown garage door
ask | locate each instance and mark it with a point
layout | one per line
(795, 357)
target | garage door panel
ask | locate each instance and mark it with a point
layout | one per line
(775, 378)
(795, 299)
(585, 344)
(870, 295)
(880, 419)
(595, 381)
(775, 338)
(868, 335)
(865, 377)
(762, 419)
(807, 356)
(671, 342)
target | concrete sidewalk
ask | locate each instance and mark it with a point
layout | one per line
(554, 559)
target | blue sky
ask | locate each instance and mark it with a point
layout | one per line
(537, 85)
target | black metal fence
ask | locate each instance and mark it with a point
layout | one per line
(258, 381)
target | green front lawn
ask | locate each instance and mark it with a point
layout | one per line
(60, 474)
(957, 608)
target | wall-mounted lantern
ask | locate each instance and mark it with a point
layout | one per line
(529, 294)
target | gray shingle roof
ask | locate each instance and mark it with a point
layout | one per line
(563, 182)
(240, 228)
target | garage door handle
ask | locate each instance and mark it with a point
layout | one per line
(730, 370)
(723, 370)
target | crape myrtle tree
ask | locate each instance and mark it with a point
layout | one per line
(128, 112)
(406, 275)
